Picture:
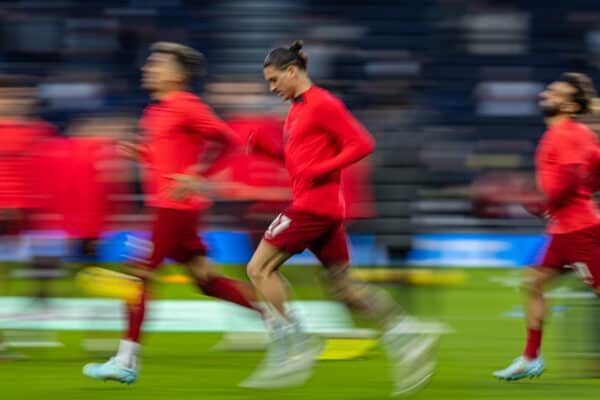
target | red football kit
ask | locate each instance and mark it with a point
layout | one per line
(177, 129)
(565, 171)
(321, 138)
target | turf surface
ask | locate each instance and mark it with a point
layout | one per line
(484, 313)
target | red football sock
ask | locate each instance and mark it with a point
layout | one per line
(235, 291)
(534, 342)
(135, 315)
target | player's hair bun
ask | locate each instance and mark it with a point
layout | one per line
(297, 46)
(283, 57)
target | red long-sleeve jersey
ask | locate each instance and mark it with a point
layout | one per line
(565, 162)
(177, 129)
(321, 138)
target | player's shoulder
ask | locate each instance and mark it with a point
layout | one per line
(324, 98)
(187, 103)
(585, 130)
(578, 133)
(568, 131)
(187, 98)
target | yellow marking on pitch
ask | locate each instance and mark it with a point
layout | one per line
(106, 283)
(346, 348)
(176, 278)
(410, 276)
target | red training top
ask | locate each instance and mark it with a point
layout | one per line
(322, 138)
(565, 167)
(177, 129)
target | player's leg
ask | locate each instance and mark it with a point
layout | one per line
(368, 300)
(411, 354)
(287, 235)
(530, 363)
(124, 366)
(221, 287)
(373, 303)
(274, 289)
(191, 252)
(263, 271)
(285, 364)
(165, 238)
(534, 285)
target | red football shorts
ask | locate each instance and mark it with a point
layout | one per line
(578, 250)
(13, 221)
(294, 230)
(175, 236)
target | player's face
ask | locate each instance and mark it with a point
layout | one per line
(557, 99)
(281, 82)
(16, 102)
(161, 72)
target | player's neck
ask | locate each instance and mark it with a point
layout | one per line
(14, 119)
(557, 119)
(303, 86)
(161, 94)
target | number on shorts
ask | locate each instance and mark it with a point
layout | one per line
(583, 271)
(279, 224)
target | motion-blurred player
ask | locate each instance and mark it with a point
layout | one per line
(321, 139)
(566, 168)
(177, 127)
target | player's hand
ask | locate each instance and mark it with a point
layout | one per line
(128, 149)
(537, 209)
(315, 176)
(187, 184)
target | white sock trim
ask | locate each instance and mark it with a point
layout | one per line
(128, 351)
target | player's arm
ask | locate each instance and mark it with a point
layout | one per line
(131, 150)
(206, 123)
(355, 141)
(566, 173)
(556, 187)
(259, 142)
(189, 183)
(559, 185)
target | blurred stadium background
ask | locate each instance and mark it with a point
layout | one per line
(447, 87)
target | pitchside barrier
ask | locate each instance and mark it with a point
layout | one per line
(225, 247)
(434, 249)
(476, 250)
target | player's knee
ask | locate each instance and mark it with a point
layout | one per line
(200, 270)
(353, 296)
(533, 286)
(202, 278)
(343, 289)
(255, 272)
(342, 293)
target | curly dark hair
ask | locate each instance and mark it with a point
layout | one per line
(585, 90)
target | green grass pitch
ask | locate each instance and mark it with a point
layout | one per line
(183, 366)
